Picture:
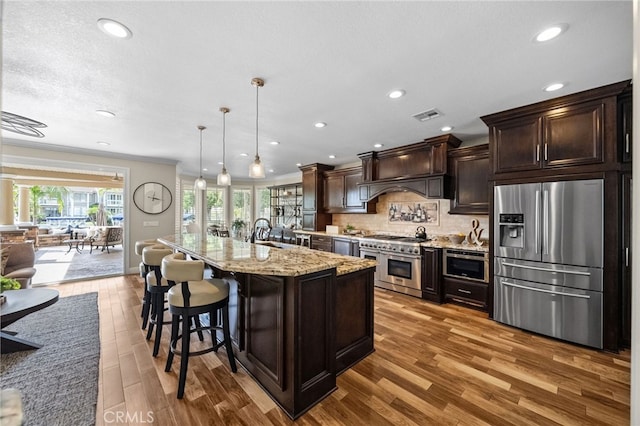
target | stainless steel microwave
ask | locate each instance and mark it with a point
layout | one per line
(466, 264)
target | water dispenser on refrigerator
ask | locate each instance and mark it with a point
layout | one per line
(512, 230)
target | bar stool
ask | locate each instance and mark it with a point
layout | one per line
(144, 269)
(303, 240)
(157, 286)
(193, 297)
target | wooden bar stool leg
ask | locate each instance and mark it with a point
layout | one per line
(159, 322)
(154, 313)
(184, 356)
(196, 321)
(175, 324)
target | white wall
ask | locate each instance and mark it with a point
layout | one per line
(135, 173)
(635, 248)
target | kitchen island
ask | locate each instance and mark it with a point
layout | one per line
(298, 317)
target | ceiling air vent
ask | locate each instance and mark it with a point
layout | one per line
(427, 115)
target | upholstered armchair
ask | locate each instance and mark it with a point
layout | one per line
(104, 236)
(20, 261)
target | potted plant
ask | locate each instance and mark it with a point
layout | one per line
(7, 284)
(237, 226)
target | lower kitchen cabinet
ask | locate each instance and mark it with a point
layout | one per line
(432, 274)
(346, 246)
(321, 242)
(471, 293)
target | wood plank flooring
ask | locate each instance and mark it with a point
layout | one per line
(434, 364)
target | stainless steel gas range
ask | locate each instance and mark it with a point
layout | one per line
(399, 262)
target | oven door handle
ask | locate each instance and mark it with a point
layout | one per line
(537, 268)
(540, 290)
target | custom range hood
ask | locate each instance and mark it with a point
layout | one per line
(420, 168)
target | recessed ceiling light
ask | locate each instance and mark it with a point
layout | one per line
(270, 170)
(378, 145)
(114, 28)
(220, 163)
(244, 154)
(105, 113)
(332, 156)
(204, 169)
(553, 87)
(446, 129)
(551, 33)
(298, 164)
(274, 143)
(320, 124)
(103, 143)
(395, 94)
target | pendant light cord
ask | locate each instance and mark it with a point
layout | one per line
(201, 152)
(257, 91)
(224, 115)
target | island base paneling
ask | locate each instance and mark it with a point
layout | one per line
(294, 335)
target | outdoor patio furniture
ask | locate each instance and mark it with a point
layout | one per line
(104, 236)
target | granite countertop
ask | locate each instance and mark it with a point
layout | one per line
(268, 258)
(437, 241)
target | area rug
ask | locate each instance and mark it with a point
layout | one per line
(58, 382)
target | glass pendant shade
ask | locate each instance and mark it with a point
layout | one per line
(256, 170)
(224, 178)
(200, 184)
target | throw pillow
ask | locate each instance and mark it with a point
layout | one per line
(4, 253)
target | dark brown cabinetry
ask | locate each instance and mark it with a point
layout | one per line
(432, 274)
(346, 246)
(321, 242)
(341, 192)
(314, 217)
(626, 120)
(467, 292)
(420, 168)
(470, 169)
(570, 131)
(625, 281)
(354, 318)
(567, 136)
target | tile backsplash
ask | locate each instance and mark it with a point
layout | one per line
(379, 222)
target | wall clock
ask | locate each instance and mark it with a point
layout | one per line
(152, 197)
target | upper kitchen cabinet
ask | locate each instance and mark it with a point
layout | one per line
(625, 118)
(470, 169)
(570, 131)
(341, 194)
(314, 216)
(420, 168)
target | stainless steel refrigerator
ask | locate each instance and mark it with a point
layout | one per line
(548, 258)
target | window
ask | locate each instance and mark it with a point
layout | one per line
(188, 206)
(242, 205)
(263, 202)
(215, 207)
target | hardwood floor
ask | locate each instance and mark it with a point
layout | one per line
(433, 365)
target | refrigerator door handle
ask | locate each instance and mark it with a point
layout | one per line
(545, 222)
(537, 268)
(539, 290)
(537, 221)
(626, 255)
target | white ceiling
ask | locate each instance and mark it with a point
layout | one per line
(322, 61)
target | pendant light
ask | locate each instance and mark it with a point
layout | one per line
(224, 178)
(200, 184)
(256, 170)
